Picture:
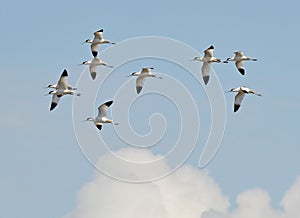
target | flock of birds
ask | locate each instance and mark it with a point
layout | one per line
(239, 59)
(62, 87)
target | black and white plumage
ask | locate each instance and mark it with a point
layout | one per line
(101, 117)
(95, 43)
(61, 88)
(239, 59)
(241, 92)
(93, 65)
(141, 77)
(207, 59)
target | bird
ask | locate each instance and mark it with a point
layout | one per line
(141, 77)
(239, 59)
(95, 43)
(61, 89)
(241, 92)
(94, 63)
(101, 118)
(207, 60)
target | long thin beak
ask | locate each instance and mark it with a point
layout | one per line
(47, 94)
(84, 120)
(80, 64)
(129, 75)
(228, 91)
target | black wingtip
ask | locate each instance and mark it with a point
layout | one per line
(108, 103)
(236, 107)
(138, 89)
(242, 71)
(93, 75)
(206, 79)
(53, 105)
(211, 47)
(95, 53)
(64, 73)
(99, 127)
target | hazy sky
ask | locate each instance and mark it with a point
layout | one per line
(42, 166)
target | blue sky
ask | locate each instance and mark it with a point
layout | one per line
(42, 167)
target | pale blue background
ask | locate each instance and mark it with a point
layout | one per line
(42, 167)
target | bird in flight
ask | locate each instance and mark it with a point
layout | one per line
(96, 41)
(141, 77)
(239, 59)
(93, 65)
(61, 88)
(207, 59)
(101, 118)
(241, 92)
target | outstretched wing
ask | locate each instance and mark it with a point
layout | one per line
(103, 108)
(209, 52)
(93, 71)
(205, 71)
(98, 34)
(240, 66)
(238, 100)
(95, 49)
(139, 84)
(63, 80)
(54, 102)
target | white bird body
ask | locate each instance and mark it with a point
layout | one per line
(55, 86)
(101, 117)
(141, 77)
(239, 59)
(241, 92)
(207, 59)
(93, 65)
(96, 41)
(62, 88)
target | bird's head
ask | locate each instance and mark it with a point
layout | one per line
(226, 61)
(50, 93)
(133, 74)
(83, 63)
(196, 58)
(50, 86)
(89, 119)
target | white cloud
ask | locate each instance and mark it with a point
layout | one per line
(188, 192)
(256, 203)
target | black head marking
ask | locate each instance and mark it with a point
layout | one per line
(101, 31)
(211, 47)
